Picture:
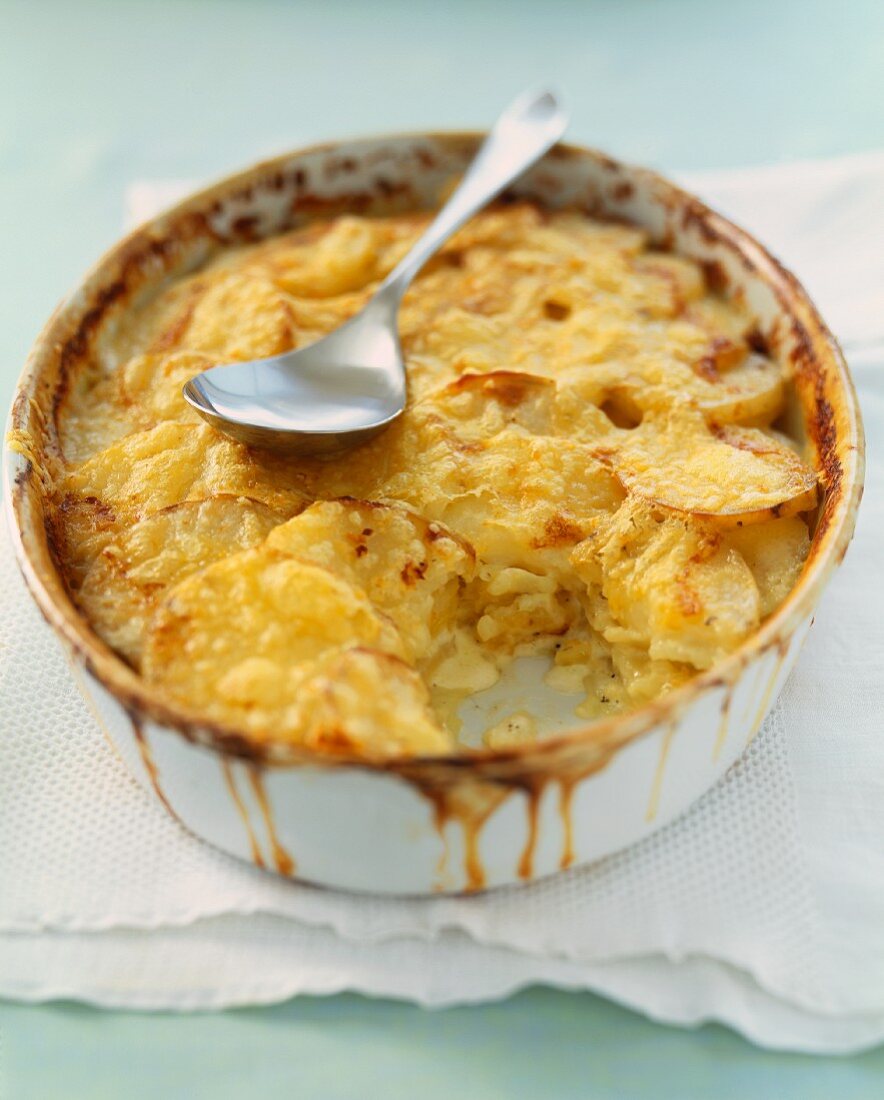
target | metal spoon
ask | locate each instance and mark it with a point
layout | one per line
(350, 384)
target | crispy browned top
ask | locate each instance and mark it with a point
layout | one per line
(586, 469)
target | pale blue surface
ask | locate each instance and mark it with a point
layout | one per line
(97, 93)
(540, 1045)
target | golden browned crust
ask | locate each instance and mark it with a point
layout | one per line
(828, 423)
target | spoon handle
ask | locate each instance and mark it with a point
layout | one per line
(531, 124)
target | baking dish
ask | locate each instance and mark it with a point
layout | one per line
(481, 818)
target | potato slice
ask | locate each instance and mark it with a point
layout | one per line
(238, 317)
(461, 340)
(151, 384)
(522, 613)
(639, 678)
(673, 586)
(662, 283)
(682, 278)
(259, 641)
(752, 390)
(611, 677)
(518, 728)
(151, 470)
(517, 499)
(720, 316)
(776, 553)
(371, 703)
(130, 575)
(171, 463)
(478, 406)
(735, 474)
(526, 500)
(343, 259)
(288, 652)
(415, 462)
(409, 568)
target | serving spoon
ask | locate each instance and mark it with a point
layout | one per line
(346, 387)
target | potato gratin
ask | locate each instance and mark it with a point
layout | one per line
(589, 468)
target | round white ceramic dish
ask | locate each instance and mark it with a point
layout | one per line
(482, 818)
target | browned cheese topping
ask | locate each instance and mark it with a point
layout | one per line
(588, 469)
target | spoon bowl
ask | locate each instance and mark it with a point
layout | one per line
(322, 399)
(348, 386)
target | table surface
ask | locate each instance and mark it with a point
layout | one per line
(98, 93)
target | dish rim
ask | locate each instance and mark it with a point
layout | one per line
(607, 734)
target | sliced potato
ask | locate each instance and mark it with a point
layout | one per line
(238, 317)
(673, 586)
(499, 229)
(405, 464)
(663, 283)
(94, 418)
(157, 323)
(343, 259)
(719, 316)
(409, 568)
(775, 552)
(478, 406)
(461, 340)
(151, 470)
(171, 463)
(517, 499)
(258, 641)
(79, 529)
(126, 580)
(752, 390)
(734, 474)
(518, 728)
(288, 652)
(643, 678)
(611, 677)
(526, 499)
(151, 384)
(682, 278)
(525, 623)
(371, 703)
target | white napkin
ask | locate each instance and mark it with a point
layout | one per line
(762, 907)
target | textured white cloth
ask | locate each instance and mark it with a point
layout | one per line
(762, 907)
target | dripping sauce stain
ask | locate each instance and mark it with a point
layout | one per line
(657, 786)
(782, 648)
(150, 766)
(724, 722)
(471, 805)
(566, 812)
(533, 792)
(236, 797)
(282, 860)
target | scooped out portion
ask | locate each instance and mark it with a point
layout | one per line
(590, 470)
